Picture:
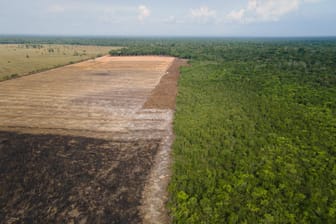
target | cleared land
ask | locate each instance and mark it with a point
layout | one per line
(77, 143)
(21, 59)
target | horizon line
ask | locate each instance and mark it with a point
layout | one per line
(166, 36)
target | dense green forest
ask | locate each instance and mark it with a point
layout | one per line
(255, 130)
(255, 127)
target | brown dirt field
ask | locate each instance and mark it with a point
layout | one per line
(97, 98)
(77, 144)
(164, 94)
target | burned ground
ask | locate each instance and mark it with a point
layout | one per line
(50, 178)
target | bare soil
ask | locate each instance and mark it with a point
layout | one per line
(86, 143)
(155, 195)
(79, 100)
(164, 94)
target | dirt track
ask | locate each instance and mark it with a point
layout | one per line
(77, 143)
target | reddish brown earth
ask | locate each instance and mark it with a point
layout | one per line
(164, 94)
(80, 144)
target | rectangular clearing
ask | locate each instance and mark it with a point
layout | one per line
(96, 98)
(78, 144)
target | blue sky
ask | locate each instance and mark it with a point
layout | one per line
(169, 18)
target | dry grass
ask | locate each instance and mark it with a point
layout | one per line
(95, 98)
(22, 59)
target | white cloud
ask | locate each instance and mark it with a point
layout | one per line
(272, 10)
(143, 12)
(265, 10)
(104, 12)
(236, 15)
(202, 12)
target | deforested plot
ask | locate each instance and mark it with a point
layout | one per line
(102, 96)
(77, 143)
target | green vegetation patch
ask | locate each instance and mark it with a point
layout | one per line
(21, 59)
(255, 142)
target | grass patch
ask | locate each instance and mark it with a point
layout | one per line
(23, 59)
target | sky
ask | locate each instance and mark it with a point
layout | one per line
(238, 18)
